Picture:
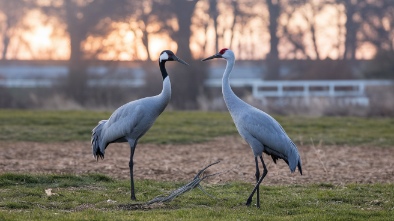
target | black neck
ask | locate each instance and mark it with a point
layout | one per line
(163, 69)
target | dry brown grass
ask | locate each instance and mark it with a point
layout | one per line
(321, 164)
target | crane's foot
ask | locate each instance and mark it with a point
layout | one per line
(249, 201)
(133, 198)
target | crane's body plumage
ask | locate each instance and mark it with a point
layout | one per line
(264, 134)
(261, 131)
(131, 121)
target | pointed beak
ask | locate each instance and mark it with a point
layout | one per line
(218, 55)
(180, 60)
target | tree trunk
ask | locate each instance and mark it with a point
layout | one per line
(273, 64)
(236, 12)
(145, 42)
(145, 35)
(351, 32)
(6, 42)
(213, 12)
(76, 85)
(6, 38)
(184, 11)
(314, 40)
(187, 80)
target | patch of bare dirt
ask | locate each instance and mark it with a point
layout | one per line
(333, 164)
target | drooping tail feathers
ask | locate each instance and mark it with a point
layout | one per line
(299, 166)
(96, 133)
(294, 158)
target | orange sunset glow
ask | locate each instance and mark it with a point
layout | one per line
(44, 38)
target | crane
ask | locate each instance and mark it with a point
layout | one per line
(261, 131)
(131, 121)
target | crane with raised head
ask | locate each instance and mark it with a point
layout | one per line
(131, 121)
(261, 131)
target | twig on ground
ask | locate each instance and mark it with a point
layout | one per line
(189, 186)
(318, 156)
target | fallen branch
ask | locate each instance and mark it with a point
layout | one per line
(189, 186)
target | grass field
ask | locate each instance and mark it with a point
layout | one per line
(190, 127)
(98, 197)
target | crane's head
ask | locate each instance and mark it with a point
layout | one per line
(224, 53)
(168, 55)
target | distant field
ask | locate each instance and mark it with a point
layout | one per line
(191, 127)
(97, 197)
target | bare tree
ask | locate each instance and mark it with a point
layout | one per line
(242, 15)
(369, 22)
(13, 12)
(377, 29)
(294, 34)
(214, 14)
(355, 11)
(377, 24)
(143, 17)
(311, 21)
(351, 26)
(236, 13)
(187, 80)
(150, 13)
(304, 35)
(82, 19)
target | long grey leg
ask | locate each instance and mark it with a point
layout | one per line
(257, 180)
(131, 164)
(265, 171)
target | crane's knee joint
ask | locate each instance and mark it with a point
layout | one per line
(131, 164)
(265, 172)
(257, 174)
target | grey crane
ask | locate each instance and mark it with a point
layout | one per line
(131, 121)
(261, 131)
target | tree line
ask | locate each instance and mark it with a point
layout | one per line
(292, 29)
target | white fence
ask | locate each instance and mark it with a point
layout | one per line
(46, 83)
(353, 90)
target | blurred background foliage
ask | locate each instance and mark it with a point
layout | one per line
(314, 39)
